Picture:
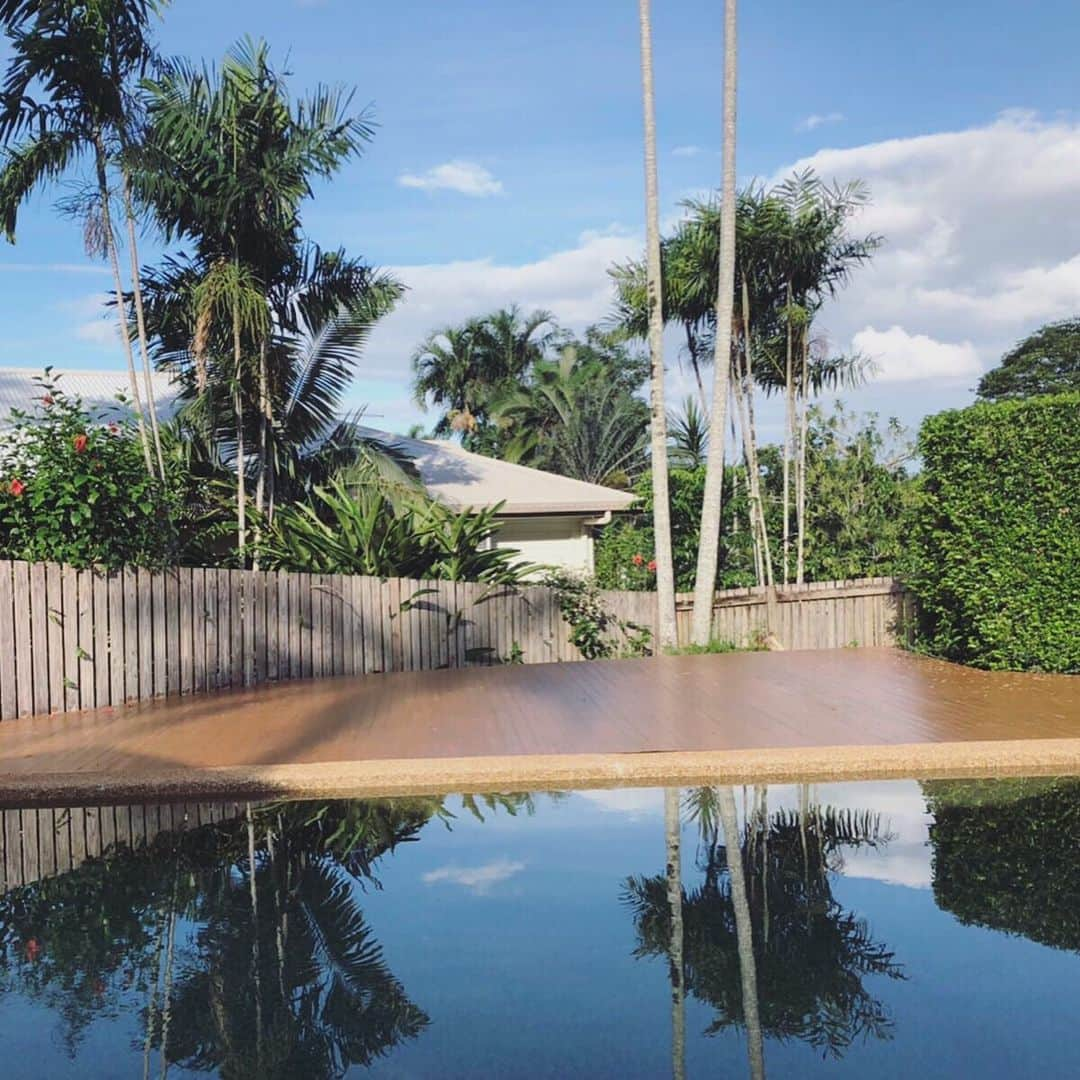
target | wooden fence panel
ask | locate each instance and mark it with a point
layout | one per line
(79, 639)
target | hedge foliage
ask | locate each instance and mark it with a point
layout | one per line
(994, 551)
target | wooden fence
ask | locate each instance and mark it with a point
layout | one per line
(42, 843)
(78, 639)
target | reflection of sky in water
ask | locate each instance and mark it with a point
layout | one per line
(512, 937)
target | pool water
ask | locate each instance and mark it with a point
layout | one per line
(864, 930)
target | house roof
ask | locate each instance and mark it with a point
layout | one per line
(98, 390)
(452, 475)
(464, 480)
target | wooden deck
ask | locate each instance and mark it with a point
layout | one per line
(761, 716)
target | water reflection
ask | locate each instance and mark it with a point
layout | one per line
(761, 939)
(435, 936)
(1005, 855)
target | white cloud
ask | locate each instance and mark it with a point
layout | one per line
(688, 151)
(817, 120)
(982, 242)
(572, 283)
(465, 177)
(900, 357)
(479, 880)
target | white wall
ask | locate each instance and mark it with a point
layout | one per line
(552, 541)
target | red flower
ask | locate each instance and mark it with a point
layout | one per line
(638, 559)
(33, 949)
(17, 488)
(79, 442)
(652, 566)
(114, 427)
(47, 400)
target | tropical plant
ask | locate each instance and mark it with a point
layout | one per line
(462, 370)
(370, 527)
(254, 314)
(1045, 362)
(574, 418)
(74, 488)
(85, 59)
(595, 631)
(665, 574)
(689, 432)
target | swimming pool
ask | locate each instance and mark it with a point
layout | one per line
(883, 929)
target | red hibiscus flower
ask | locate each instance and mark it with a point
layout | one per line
(638, 560)
(17, 488)
(652, 566)
(114, 428)
(79, 442)
(33, 949)
(47, 400)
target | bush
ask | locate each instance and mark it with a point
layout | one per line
(76, 490)
(372, 529)
(994, 549)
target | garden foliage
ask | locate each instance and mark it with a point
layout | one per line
(994, 547)
(75, 489)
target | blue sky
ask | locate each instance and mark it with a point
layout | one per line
(519, 126)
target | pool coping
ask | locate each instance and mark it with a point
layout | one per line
(384, 778)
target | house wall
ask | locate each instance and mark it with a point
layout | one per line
(551, 540)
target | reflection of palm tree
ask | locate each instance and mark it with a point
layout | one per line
(675, 953)
(809, 970)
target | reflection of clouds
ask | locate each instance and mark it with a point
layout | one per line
(631, 803)
(905, 860)
(479, 880)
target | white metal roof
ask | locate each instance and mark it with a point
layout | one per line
(98, 390)
(465, 480)
(454, 476)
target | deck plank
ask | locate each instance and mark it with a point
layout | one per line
(844, 705)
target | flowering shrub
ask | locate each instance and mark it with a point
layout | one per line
(595, 631)
(75, 490)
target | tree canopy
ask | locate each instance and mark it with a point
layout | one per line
(1045, 362)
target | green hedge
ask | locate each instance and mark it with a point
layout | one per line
(994, 550)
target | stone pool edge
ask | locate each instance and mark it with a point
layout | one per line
(398, 777)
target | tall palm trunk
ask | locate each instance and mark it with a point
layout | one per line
(675, 955)
(140, 323)
(118, 287)
(712, 500)
(757, 501)
(789, 439)
(238, 409)
(800, 477)
(665, 571)
(744, 934)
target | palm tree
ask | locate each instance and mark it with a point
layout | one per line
(689, 430)
(228, 313)
(665, 570)
(711, 503)
(463, 370)
(573, 417)
(676, 962)
(86, 57)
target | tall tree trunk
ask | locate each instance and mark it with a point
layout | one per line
(744, 934)
(262, 484)
(238, 409)
(140, 323)
(665, 571)
(676, 966)
(692, 347)
(789, 439)
(751, 445)
(800, 480)
(118, 288)
(712, 499)
(751, 505)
